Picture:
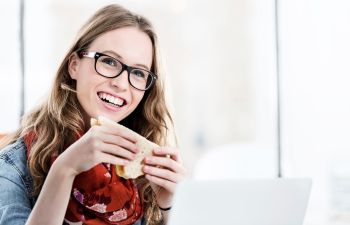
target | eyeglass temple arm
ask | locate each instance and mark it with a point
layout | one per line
(88, 54)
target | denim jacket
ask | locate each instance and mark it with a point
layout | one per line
(16, 184)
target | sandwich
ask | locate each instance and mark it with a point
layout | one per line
(134, 168)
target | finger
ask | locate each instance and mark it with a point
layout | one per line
(173, 152)
(117, 129)
(162, 173)
(164, 162)
(168, 185)
(119, 141)
(108, 158)
(117, 151)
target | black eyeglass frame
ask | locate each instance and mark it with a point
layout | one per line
(97, 55)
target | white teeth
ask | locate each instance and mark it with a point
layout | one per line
(114, 101)
(118, 101)
(111, 99)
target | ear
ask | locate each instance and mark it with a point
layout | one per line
(73, 65)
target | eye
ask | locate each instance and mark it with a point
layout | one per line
(109, 61)
(139, 73)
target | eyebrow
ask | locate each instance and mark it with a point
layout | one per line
(120, 57)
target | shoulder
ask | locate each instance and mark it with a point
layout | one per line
(15, 185)
(13, 164)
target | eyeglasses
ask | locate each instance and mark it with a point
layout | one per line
(109, 67)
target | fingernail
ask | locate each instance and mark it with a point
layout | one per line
(146, 168)
(147, 160)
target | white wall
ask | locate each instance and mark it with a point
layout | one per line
(9, 66)
(255, 153)
(315, 52)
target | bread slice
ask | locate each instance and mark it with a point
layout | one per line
(134, 168)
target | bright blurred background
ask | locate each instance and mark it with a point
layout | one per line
(221, 63)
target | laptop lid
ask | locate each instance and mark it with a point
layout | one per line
(241, 202)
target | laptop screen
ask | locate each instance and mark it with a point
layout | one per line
(241, 202)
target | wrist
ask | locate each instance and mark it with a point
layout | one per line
(59, 167)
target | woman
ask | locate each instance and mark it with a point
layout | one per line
(57, 169)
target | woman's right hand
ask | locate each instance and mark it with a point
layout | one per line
(100, 144)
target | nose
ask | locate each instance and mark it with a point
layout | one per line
(121, 81)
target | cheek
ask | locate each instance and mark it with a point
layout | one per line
(86, 73)
(87, 80)
(83, 87)
(137, 97)
(140, 96)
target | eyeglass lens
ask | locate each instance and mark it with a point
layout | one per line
(109, 67)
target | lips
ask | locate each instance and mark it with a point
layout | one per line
(112, 99)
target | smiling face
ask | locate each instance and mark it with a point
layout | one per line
(114, 98)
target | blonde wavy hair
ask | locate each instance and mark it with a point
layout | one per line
(57, 122)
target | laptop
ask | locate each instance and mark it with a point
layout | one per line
(241, 202)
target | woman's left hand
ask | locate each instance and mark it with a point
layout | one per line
(164, 170)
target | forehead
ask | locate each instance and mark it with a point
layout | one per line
(130, 43)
